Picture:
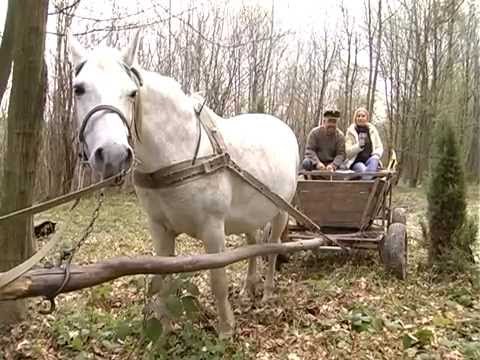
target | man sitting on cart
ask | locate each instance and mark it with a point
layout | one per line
(325, 149)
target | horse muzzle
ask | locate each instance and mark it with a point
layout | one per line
(111, 159)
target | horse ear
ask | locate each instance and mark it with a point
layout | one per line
(77, 50)
(129, 54)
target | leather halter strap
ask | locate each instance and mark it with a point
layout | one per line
(93, 111)
(134, 74)
(86, 119)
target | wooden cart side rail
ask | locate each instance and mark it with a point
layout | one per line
(339, 176)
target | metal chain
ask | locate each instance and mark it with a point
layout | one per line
(88, 230)
(67, 255)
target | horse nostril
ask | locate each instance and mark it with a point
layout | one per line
(99, 155)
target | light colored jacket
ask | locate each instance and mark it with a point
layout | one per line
(352, 148)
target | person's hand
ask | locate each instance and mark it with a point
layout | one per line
(320, 166)
(331, 167)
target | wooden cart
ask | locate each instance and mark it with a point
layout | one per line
(357, 213)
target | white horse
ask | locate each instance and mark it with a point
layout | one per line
(212, 205)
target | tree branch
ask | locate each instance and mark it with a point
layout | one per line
(44, 282)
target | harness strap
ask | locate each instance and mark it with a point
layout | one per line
(279, 201)
(180, 172)
(210, 127)
(186, 171)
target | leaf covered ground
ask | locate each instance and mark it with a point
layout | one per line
(327, 306)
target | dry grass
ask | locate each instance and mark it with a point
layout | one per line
(328, 307)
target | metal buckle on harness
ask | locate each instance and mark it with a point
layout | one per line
(207, 167)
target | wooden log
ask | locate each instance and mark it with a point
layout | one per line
(46, 281)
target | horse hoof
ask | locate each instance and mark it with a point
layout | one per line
(225, 334)
(155, 309)
(226, 328)
(250, 291)
(247, 293)
(267, 297)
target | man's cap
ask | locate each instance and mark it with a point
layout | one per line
(331, 114)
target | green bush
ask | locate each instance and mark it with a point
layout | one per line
(451, 231)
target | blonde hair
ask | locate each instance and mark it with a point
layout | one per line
(359, 110)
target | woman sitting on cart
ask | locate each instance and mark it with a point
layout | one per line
(363, 145)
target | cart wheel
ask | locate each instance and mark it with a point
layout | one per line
(399, 215)
(394, 250)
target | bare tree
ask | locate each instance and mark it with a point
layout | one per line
(25, 117)
(350, 65)
(374, 32)
(58, 164)
(424, 54)
(6, 48)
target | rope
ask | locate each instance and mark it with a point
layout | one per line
(34, 209)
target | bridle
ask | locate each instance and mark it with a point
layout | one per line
(134, 74)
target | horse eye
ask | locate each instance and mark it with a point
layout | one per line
(132, 94)
(79, 89)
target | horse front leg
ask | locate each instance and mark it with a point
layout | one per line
(278, 224)
(213, 236)
(164, 244)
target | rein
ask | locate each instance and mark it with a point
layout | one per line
(43, 206)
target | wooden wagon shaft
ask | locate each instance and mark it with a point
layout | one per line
(45, 281)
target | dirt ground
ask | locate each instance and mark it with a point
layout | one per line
(326, 306)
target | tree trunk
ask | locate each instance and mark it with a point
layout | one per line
(371, 103)
(6, 48)
(25, 116)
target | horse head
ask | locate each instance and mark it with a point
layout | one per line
(105, 88)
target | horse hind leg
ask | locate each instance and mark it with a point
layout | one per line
(278, 225)
(213, 236)
(252, 279)
(281, 258)
(164, 244)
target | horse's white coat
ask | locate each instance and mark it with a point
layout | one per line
(208, 207)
